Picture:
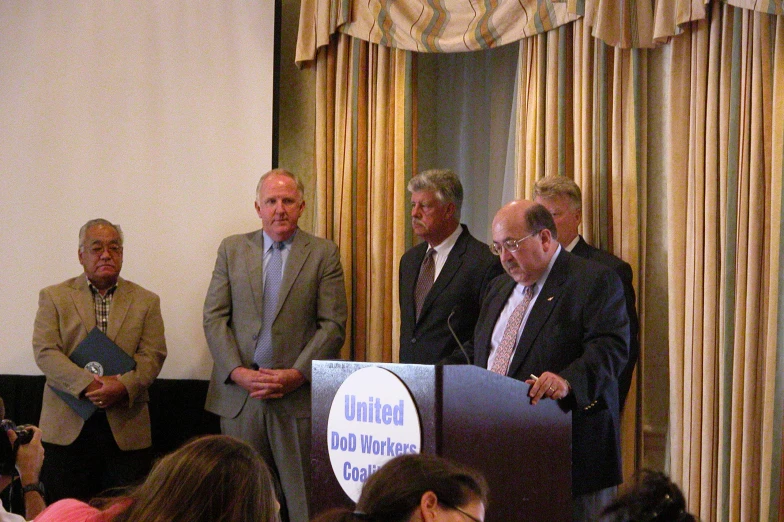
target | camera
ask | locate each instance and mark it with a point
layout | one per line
(8, 450)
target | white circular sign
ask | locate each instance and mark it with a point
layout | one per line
(372, 419)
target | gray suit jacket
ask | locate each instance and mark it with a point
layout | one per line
(310, 322)
(66, 314)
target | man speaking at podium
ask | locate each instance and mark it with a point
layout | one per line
(559, 323)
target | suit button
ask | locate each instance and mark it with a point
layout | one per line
(413, 340)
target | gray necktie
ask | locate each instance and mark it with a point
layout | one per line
(272, 279)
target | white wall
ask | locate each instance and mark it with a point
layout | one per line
(154, 115)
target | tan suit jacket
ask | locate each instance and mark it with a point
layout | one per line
(66, 313)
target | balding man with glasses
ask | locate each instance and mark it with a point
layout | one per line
(559, 323)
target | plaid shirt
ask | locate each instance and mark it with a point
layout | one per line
(102, 306)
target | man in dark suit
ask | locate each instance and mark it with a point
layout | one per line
(559, 323)
(443, 276)
(113, 447)
(276, 302)
(563, 198)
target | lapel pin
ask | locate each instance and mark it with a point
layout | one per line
(550, 298)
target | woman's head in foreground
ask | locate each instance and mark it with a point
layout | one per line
(212, 478)
(413, 488)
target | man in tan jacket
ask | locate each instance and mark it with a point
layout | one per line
(112, 447)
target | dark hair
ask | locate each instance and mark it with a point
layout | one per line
(393, 492)
(538, 218)
(654, 498)
(209, 479)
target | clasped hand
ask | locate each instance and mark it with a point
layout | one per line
(265, 383)
(105, 391)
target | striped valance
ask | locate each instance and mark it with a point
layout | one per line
(471, 25)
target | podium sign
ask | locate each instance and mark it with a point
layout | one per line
(469, 415)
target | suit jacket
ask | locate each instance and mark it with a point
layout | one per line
(66, 314)
(578, 329)
(624, 271)
(459, 286)
(310, 322)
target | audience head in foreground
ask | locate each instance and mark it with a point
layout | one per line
(655, 498)
(209, 479)
(414, 488)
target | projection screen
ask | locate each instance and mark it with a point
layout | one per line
(154, 115)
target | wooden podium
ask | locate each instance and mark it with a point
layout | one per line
(475, 417)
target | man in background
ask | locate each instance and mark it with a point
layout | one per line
(563, 198)
(276, 302)
(442, 278)
(112, 447)
(558, 322)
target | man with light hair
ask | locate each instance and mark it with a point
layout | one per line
(442, 278)
(276, 302)
(563, 198)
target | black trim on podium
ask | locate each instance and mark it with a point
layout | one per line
(471, 416)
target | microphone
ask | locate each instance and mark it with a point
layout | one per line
(454, 335)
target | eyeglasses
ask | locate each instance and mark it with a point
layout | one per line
(97, 249)
(461, 511)
(510, 245)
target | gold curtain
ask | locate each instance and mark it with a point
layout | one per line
(724, 171)
(364, 155)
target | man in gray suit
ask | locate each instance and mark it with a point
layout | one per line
(276, 302)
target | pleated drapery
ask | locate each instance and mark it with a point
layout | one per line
(364, 155)
(726, 119)
(582, 112)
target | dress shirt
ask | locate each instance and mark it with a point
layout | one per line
(511, 303)
(284, 252)
(443, 249)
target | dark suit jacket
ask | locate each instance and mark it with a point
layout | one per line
(578, 329)
(624, 271)
(467, 271)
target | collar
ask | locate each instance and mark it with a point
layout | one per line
(573, 244)
(95, 290)
(268, 241)
(447, 244)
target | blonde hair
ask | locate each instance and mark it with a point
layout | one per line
(554, 186)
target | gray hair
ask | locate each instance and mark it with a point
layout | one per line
(557, 185)
(95, 222)
(281, 172)
(444, 183)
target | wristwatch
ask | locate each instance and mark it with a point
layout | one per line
(35, 486)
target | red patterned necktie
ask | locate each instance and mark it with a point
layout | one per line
(509, 340)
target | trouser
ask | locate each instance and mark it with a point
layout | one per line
(283, 441)
(91, 464)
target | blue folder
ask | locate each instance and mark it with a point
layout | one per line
(96, 348)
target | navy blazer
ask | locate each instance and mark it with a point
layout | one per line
(468, 270)
(624, 271)
(578, 328)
